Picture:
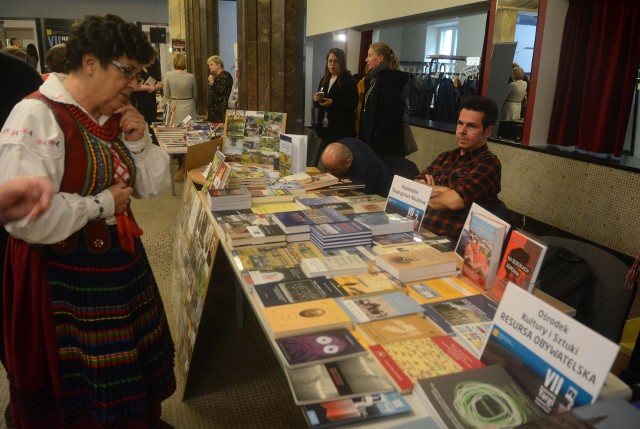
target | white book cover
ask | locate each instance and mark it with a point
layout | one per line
(476, 208)
(293, 154)
(556, 360)
(408, 199)
(328, 266)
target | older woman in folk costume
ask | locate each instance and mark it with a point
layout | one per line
(87, 341)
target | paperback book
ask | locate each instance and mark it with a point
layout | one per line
(255, 277)
(305, 317)
(409, 199)
(557, 361)
(442, 289)
(323, 202)
(408, 361)
(228, 199)
(367, 284)
(275, 258)
(288, 292)
(412, 265)
(338, 380)
(266, 195)
(461, 311)
(293, 154)
(333, 266)
(216, 166)
(482, 251)
(377, 307)
(520, 264)
(384, 223)
(477, 398)
(356, 410)
(395, 329)
(319, 347)
(464, 234)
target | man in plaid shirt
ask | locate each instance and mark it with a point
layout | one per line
(466, 175)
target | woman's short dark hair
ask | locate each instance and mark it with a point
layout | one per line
(107, 37)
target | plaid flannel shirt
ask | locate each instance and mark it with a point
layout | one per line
(475, 176)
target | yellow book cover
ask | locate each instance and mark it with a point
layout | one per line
(410, 327)
(368, 283)
(304, 317)
(274, 207)
(275, 258)
(441, 289)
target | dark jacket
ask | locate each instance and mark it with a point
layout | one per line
(382, 113)
(342, 112)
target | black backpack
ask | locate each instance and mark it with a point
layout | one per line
(566, 277)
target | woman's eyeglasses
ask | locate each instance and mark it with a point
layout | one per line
(333, 61)
(128, 72)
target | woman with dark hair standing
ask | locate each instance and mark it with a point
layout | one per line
(32, 55)
(382, 116)
(88, 344)
(336, 100)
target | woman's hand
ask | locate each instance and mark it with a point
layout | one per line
(121, 196)
(132, 123)
(326, 102)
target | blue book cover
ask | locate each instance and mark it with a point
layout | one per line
(281, 293)
(340, 230)
(378, 307)
(324, 216)
(291, 222)
(355, 410)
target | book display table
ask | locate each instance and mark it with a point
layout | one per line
(200, 248)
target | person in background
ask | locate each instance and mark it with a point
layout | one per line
(86, 335)
(516, 94)
(180, 90)
(32, 55)
(55, 60)
(15, 42)
(353, 158)
(336, 99)
(16, 52)
(466, 175)
(382, 116)
(220, 85)
(143, 98)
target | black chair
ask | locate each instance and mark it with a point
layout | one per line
(607, 305)
(401, 166)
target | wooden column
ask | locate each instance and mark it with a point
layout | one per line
(202, 41)
(270, 58)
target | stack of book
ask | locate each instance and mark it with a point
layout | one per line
(343, 234)
(249, 229)
(384, 223)
(333, 266)
(228, 199)
(251, 176)
(267, 195)
(297, 224)
(420, 264)
(323, 202)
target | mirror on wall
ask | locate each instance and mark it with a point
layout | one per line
(514, 35)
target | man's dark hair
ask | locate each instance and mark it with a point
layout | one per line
(484, 105)
(107, 37)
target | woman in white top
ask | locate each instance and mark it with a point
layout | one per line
(516, 93)
(180, 90)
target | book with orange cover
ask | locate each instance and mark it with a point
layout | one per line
(305, 317)
(395, 329)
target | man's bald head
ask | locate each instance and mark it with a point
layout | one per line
(337, 159)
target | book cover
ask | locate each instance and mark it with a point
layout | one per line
(323, 216)
(397, 239)
(275, 258)
(482, 251)
(305, 317)
(368, 207)
(412, 265)
(461, 311)
(255, 277)
(384, 223)
(333, 265)
(266, 195)
(520, 264)
(402, 328)
(293, 154)
(482, 397)
(464, 234)
(557, 361)
(321, 180)
(269, 208)
(319, 347)
(356, 410)
(214, 168)
(339, 231)
(607, 414)
(291, 222)
(288, 292)
(409, 199)
(408, 361)
(338, 380)
(363, 252)
(370, 308)
(434, 290)
(255, 234)
(367, 283)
